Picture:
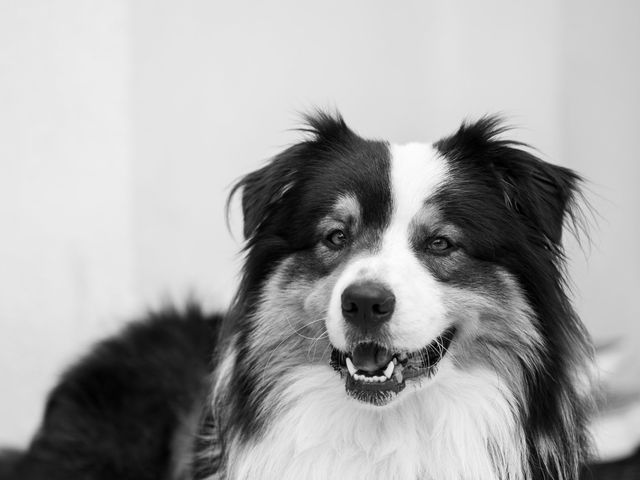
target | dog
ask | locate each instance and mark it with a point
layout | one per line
(402, 314)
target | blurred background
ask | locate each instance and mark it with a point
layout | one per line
(124, 123)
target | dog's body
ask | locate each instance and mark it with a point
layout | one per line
(128, 410)
(401, 315)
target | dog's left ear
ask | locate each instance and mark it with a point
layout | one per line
(541, 193)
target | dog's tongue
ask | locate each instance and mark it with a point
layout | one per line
(371, 358)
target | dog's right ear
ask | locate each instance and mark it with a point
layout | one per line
(264, 189)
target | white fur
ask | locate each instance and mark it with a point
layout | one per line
(419, 317)
(416, 172)
(224, 369)
(463, 427)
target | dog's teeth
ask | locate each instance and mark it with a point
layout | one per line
(389, 370)
(366, 378)
(397, 373)
(351, 367)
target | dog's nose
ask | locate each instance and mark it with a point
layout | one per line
(368, 303)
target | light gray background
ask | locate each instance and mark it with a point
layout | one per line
(122, 125)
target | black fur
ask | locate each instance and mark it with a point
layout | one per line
(9, 460)
(115, 413)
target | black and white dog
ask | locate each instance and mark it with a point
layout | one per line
(402, 315)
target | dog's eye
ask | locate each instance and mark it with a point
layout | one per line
(439, 245)
(336, 239)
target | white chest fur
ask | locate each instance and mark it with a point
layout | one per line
(464, 428)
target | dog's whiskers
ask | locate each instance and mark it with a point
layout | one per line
(295, 332)
(273, 351)
(299, 329)
(314, 343)
(327, 348)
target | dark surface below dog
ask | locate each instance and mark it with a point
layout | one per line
(624, 469)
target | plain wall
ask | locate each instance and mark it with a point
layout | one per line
(66, 242)
(601, 139)
(125, 123)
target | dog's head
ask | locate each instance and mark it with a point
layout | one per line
(399, 266)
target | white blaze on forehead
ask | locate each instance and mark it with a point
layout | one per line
(416, 171)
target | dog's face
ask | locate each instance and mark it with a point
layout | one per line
(399, 265)
(404, 304)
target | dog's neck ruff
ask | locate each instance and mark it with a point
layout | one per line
(464, 429)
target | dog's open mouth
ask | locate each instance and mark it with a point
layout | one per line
(374, 374)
